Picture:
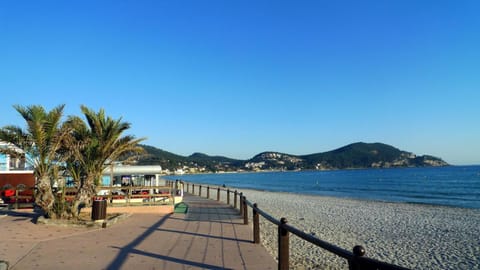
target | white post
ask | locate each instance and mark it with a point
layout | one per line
(7, 162)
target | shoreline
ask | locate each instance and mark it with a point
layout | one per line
(417, 236)
(356, 199)
(334, 197)
(317, 170)
(406, 185)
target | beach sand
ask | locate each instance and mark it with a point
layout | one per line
(410, 235)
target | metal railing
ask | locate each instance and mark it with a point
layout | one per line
(22, 196)
(17, 197)
(355, 258)
(134, 195)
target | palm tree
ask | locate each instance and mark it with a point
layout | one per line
(40, 141)
(92, 147)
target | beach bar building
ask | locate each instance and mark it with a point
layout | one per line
(13, 163)
(120, 184)
(14, 170)
(127, 175)
(16, 175)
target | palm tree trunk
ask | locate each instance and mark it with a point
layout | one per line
(83, 198)
(44, 197)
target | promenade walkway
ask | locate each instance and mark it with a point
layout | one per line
(210, 236)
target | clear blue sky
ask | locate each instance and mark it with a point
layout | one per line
(236, 78)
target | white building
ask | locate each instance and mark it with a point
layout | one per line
(14, 170)
(9, 163)
(147, 175)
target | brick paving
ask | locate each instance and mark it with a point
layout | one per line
(210, 236)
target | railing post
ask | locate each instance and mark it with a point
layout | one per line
(256, 225)
(353, 264)
(245, 211)
(228, 196)
(241, 204)
(283, 246)
(16, 198)
(235, 199)
(200, 191)
(208, 192)
(129, 196)
(218, 194)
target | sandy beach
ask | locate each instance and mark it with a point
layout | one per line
(410, 235)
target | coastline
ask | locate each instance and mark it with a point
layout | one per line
(417, 236)
(435, 186)
(313, 170)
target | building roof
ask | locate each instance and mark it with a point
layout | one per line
(125, 169)
(11, 147)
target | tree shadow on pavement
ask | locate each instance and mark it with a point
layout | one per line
(129, 249)
(124, 251)
(206, 235)
(167, 258)
(21, 216)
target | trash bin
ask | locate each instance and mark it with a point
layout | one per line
(99, 209)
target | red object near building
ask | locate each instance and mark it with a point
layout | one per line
(15, 178)
(10, 180)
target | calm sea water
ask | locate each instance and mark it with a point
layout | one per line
(451, 186)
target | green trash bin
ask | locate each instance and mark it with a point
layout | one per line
(180, 208)
(99, 209)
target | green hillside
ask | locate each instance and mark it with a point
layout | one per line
(356, 155)
(160, 157)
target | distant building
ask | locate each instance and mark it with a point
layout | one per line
(15, 170)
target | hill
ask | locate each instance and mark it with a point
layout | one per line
(160, 157)
(197, 162)
(352, 156)
(368, 155)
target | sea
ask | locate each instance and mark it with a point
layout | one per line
(457, 186)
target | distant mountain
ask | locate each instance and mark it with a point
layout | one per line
(215, 163)
(200, 157)
(364, 155)
(196, 162)
(352, 156)
(160, 157)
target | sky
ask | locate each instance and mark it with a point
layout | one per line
(236, 78)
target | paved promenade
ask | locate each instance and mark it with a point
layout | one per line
(210, 236)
